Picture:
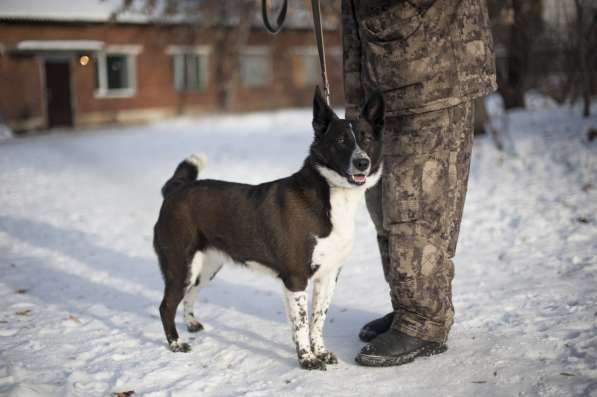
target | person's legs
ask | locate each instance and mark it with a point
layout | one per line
(373, 199)
(420, 199)
(379, 325)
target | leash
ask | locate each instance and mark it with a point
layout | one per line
(317, 27)
(279, 19)
(320, 48)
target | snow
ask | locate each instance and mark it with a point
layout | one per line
(139, 12)
(5, 132)
(86, 10)
(80, 285)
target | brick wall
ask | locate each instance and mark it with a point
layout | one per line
(22, 93)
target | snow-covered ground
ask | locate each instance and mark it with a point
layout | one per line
(80, 286)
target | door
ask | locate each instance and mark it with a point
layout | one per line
(58, 93)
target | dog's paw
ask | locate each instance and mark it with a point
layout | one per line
(312, 363)
(180, 347)
(327, 357)
(194, 326)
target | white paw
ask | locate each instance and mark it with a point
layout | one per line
(180, 347)
(310, 362)
(327, 357)
(194, 325)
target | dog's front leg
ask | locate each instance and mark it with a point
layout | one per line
(296, 308)
(323, 289)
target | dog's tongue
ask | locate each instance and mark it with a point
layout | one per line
(359, 178)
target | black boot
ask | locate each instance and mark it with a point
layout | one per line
(376, 327)
(395, 348)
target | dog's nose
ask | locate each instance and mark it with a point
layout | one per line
(361, 164)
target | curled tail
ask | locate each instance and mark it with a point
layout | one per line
(185, 173)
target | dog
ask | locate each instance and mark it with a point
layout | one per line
(296, 228)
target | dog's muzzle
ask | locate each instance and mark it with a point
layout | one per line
(358, 170)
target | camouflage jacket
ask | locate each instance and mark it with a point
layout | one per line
(424, 55)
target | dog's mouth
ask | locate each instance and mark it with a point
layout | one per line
(357, 179)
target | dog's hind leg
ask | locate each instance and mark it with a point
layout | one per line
(204, 268)
(172, 296)
(174, 269)
(194, 281)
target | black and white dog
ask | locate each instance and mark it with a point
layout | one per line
(296, 228)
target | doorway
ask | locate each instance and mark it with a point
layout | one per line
(58, 93)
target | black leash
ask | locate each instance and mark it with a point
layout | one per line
(279, 19)
(320, 48)
(318, 36)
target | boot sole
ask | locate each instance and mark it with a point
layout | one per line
(370, 360)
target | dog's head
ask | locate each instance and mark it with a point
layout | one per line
(348, 153)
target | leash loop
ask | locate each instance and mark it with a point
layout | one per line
(279, 19)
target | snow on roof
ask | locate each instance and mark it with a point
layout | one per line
(105, 10)
(68, 10)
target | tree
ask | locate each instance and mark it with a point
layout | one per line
(516, 25)
(585, 42)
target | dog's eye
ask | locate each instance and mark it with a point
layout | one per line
(340, 139)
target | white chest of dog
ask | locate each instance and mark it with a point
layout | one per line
(330, 252)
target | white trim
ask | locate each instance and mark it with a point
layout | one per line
(77, 45)
(115, 93)
(128, 49)
(60, 45)
(181, 49)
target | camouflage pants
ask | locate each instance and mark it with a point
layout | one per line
(417, 209)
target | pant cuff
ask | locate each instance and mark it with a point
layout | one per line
(414, 325)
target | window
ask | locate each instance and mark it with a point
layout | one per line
(190, 72)
(118, 72)
(305, 66)
(189, 67)
(255, 67)
(115, 71)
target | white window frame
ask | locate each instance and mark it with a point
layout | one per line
(131, 52)
(258, 50)
(178, 52)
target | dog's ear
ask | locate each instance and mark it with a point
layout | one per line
(373, 111)
(322, 113)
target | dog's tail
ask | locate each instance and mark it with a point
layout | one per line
(186, 172)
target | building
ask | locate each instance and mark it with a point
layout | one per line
(68, 63)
